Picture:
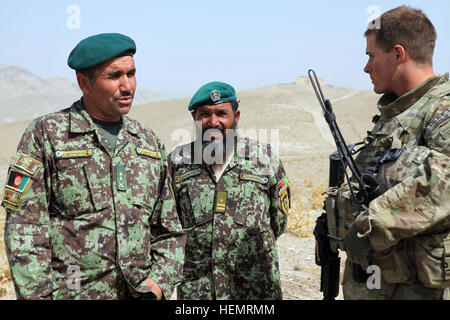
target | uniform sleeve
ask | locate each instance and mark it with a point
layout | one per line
(280, 197)
(25, 199)
(168, 239)
(417, 204)
(437, 132)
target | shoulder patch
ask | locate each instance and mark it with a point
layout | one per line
(254, 178)
(27, 164)
(16, 187)
(438, 121)
(12, 199)
(188, 175)
(285, 202)
(69, 154)
(18, 181)
(282, 185)
(148, 153)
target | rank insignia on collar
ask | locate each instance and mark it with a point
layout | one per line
(215, 96)
(27, 164)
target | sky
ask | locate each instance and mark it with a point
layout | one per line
(181, 45)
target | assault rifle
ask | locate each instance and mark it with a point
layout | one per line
(327, 256)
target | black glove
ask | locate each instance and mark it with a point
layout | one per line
(358, 248)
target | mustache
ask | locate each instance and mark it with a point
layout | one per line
(123, 95)
(220, 128)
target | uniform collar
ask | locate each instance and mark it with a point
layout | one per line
(391, 105)
(81, 121)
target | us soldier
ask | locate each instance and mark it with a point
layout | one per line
(405, 231)
(90, 212)
(232, 196)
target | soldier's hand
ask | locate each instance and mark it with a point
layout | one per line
(356, 245)
(153, 286)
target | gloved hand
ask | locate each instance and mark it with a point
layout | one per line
(358, 248)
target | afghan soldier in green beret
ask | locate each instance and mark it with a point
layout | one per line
(232, 197)
(405, 232)
(90, 211)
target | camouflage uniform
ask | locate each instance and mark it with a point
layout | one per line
(88, 222)
(408, 226)
(232, 224)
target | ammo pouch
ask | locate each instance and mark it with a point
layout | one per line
(432, 258)
(340, 208)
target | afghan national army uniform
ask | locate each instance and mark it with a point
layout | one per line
(85, 221)
(231, 223)
(408, 222)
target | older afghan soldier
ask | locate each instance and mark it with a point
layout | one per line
(405, 232)
(90, 211)
(232, 197)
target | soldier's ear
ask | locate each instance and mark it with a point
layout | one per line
(193, 114)
(400, 54)
(237, 115)
(84, 83)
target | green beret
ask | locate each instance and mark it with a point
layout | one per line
(100, 48)
(212, 93)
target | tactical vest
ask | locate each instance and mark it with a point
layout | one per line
(426, 257)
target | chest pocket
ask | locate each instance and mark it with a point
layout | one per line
(253, 210)
(195, 197)
(78, 187)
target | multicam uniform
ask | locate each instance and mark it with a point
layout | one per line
(88, 222)
(232, 224)
(408, 226)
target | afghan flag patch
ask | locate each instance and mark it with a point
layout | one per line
(283, 185)
(18, 181)
(11, 199)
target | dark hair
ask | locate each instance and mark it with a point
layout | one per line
(235, 105)
(409, 28)
(89, 73)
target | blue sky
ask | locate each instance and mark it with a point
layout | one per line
(184, 44)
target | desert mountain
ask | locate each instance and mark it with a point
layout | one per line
(28, 96)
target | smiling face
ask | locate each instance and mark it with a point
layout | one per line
(109, 94)
(381, 66)
(216, 120)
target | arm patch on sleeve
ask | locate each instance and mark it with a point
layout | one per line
(436, 122)
(20, 178)
(27, 164)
